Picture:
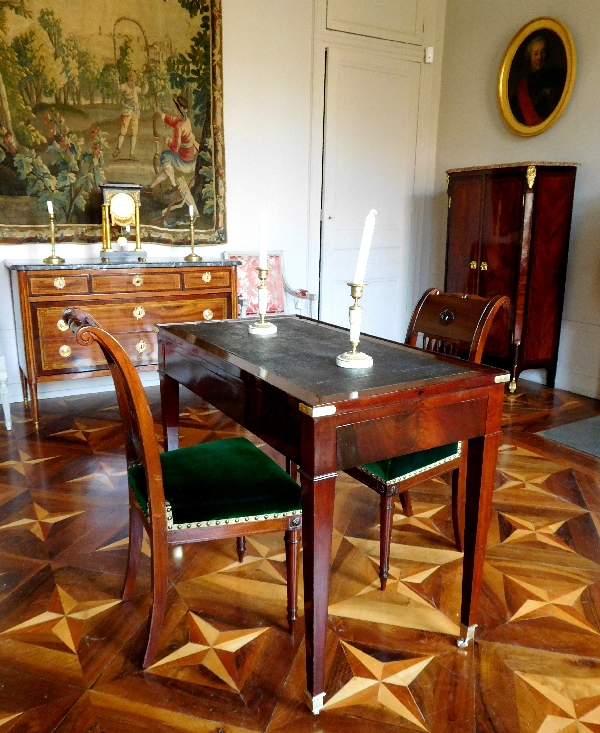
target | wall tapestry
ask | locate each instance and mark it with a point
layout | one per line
(96, 91)
(537, 76)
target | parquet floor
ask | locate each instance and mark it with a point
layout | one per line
(70, 649)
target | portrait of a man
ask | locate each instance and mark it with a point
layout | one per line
(538, 81)
(537, 76)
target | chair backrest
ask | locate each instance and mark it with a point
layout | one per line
(141, 445)
(247, 282)
(453, 324)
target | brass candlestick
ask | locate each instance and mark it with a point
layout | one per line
(53, 259)
(355, 359)
(106, 243)
(138, 238)
(192, 257)
(262, 327)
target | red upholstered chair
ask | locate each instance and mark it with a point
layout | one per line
(444, 323)
(247, 284)
(227, 488)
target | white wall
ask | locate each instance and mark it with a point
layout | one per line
(267, 52)
(472, 132)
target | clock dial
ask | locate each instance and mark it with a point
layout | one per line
(122, 206)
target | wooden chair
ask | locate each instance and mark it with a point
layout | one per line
(444, 323)
(227, 488)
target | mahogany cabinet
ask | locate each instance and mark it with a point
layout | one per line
(508, 234)
(127, 300)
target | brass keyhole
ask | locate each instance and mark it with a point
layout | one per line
(207, 277)
(138, 281)
(473, 264)
(141, 346)
(59, 282)
(207, 314)
(447, 316)
(484, 265)
(139, 312)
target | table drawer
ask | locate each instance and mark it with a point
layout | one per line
(198, 278)
(67, 355)
(59, 284)
(130, 316)
(136, 282)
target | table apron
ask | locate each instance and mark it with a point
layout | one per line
(407, 432)
(259, 407)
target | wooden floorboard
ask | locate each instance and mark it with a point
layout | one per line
(70, 648)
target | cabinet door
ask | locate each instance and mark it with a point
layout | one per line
(548, 262)
(500, 248)
(465, 199)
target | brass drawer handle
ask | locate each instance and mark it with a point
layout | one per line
(59, 282)
(207, 314)
(62, 326)
(484, 265)
(138, 281)
(141, 346)
(139, 312)
(207, 277)
(65, 351)
(473, 264)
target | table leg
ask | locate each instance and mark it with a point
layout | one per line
(317, 527)
(481, 467)
(169, 399)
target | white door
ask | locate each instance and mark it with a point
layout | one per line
(369, 163)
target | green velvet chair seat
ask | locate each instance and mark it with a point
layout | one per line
(400, 468)
(223, 480)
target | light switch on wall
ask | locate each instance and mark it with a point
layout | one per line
(429, 55)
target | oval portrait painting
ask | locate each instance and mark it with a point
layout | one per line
(537, 76)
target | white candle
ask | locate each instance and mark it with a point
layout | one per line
(127, 228)
(50, 208)
(191, 211)
(365, 246)
(262, 252)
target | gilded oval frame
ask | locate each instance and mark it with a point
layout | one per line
(538, 25)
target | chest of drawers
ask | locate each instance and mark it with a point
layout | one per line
(126, 300)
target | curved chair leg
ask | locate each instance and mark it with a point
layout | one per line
(159, 599)
(385, 536)
(459, 492)
(406, 503)
(136, 535)
(241, 548)
(292, 546)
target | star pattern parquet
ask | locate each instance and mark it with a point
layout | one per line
(70, 649)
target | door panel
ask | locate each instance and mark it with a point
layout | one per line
(500, 250)
(369, 163)
(551, 225)
(389, 19)
(464, 230)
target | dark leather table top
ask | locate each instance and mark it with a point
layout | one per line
(303, 352)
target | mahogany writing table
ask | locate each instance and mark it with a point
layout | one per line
(287, 390)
